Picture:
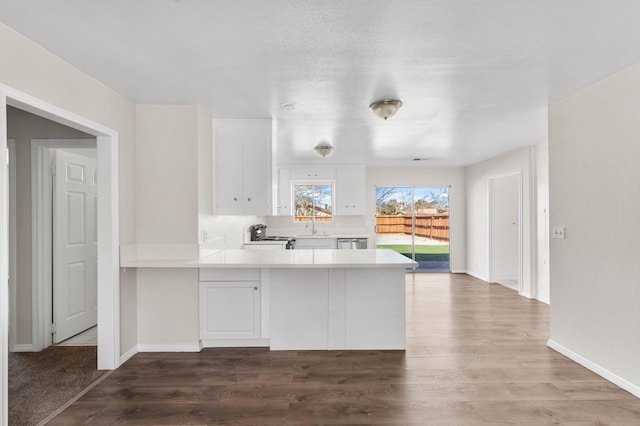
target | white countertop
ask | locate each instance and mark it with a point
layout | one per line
(330, 236)
(316, 258)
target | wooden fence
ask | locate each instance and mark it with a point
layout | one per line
(434, 226)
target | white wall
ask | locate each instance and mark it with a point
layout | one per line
(428, 177)
(477, 184)
(168, 310)
(33, 70)
(205, 164)
(594, 148)
(167, 173)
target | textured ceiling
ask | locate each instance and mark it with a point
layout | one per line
(475, 77)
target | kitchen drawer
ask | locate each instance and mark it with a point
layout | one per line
(223, 274)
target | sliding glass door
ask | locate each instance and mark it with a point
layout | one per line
(414, 221)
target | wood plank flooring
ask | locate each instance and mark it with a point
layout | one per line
(476, 355)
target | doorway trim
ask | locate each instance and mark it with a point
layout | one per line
(4, 264)
(490, 215)
(108, 226)
(13, 346)
(41, 234)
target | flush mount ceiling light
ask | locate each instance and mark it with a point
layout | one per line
(289, 106)
(323, 148)
(385, 108)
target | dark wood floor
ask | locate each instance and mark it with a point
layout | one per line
(475, 355)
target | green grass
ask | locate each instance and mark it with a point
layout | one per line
(437, 252)
(406, 248)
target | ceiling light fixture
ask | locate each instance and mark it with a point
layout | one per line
(385, 108)
(323, 148)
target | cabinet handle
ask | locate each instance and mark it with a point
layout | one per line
(255, 288)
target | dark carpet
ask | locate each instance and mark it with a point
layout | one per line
(41, 382)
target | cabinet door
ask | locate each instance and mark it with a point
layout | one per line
(350, 191)
(315, 173)
(257, 167)
(243, 150)
(229, 152)
(299, 309)
(284, 193)
(229, 310)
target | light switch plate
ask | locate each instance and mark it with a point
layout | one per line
(559, 232)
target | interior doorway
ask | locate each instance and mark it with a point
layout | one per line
(414, 221)
(505, 230)
(107, 229)
(54, 281)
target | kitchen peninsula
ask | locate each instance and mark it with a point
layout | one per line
(297, 299)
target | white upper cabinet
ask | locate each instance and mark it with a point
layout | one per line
(313, 173)
(285, 198)
(243, 151)
(350, 191)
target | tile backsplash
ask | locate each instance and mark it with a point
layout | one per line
(341, 225)
(231, 232)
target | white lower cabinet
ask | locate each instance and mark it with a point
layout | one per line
(229, 310)
(303, 308)
(338, 309)
(230, 307)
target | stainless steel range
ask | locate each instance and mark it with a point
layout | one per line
(259, 233)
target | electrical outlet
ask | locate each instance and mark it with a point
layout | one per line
(559, 232)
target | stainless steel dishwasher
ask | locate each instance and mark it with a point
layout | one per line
(352, 243)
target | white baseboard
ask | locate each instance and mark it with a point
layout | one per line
(527, 294)
(235, 343)
(507, 278)
(458, 271)
(600, 371)
(478, 276)
(24, 347)
(128, 354)
(180, 347)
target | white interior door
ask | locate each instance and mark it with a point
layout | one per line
(505, 240)
(75, 245)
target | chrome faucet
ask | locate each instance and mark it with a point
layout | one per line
(313, 225)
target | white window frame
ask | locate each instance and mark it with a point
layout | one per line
(313, 183)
